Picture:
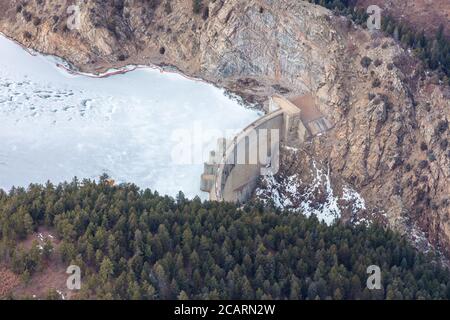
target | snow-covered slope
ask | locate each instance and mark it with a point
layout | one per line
(55, 125)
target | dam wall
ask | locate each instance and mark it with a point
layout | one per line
(256, 148)
(232, 172)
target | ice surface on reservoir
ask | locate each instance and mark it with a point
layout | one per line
(55, 125)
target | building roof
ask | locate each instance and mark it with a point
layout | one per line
(307, 105)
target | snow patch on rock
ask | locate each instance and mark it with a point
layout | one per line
(291, 193)
(313, 193)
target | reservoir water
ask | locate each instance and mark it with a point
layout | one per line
(55, 125)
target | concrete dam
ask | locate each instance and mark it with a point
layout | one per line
(233, 170)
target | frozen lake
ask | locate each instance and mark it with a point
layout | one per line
(133, 126)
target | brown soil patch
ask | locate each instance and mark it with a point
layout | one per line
(40, 236)
(52, 276)
(8, 281)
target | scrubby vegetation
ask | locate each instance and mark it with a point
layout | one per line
(366, 62)
(133, 244)
(197, 6)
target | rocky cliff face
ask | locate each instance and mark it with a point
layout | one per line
(390, 136)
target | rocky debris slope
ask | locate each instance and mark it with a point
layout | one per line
(390, 136)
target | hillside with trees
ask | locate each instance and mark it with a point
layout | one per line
(434, 51)
(136, 244)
